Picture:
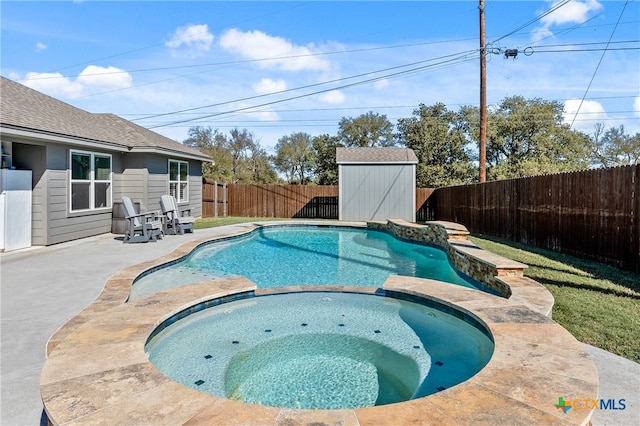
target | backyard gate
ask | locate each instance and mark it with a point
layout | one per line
(214, 198)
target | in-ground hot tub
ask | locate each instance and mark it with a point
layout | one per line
(321, 349)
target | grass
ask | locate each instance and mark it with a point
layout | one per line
(211, 222)
(598, 304)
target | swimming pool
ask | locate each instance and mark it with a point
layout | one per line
(278, 256)
(102, 350)
(321, 349)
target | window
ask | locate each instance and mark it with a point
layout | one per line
(90, 181)
(179, 180)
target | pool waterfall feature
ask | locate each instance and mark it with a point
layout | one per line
(97, 370)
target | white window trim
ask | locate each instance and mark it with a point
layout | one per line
(181, 163)
(92, 181)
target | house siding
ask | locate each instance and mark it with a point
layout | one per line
(39, 131)
(64, 225)
(33, 157)
(376, 192)
(158, 180)
(141, 176)
(195, 188)
(146, 179)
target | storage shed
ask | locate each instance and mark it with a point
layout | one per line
(376, 184)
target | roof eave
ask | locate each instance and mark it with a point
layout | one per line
(378, 162)
(40, 135)
(171, 152)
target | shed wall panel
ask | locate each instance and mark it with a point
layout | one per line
(377, 192)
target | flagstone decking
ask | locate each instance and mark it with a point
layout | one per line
(97, 371)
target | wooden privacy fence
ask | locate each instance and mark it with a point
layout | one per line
(295, 201)
(214, 198)
(299, 201)
(424, 205)
(591, 214)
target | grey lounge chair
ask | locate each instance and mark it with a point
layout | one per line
(143, 227)
(175, 221)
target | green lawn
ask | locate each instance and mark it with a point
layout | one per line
(598, 304)
(211, 222)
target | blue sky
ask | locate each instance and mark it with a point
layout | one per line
(276, 68)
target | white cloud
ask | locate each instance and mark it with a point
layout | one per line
(196, 38)
(266, 116)
(590, 112)
(381, 84)
(53, 84)
(108, 78)
(540, 34)
(40, 47)
(92, 77)
(267, 85)
(265, 113)
(574, 12)
(257, 45)
(333, 97)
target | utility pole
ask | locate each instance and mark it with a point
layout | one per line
(483, 98)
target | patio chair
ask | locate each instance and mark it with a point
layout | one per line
(143, 227)
(175, 221)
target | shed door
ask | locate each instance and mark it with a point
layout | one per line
(377, 192)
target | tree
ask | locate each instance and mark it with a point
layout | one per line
(436, 136)
(238, 157)
(325, 167)
(368, 130)
(214, 144)
(615, 147)
(294, 157)
(260, 166)
(529, 137)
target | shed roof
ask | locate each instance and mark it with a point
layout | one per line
(23, 108)
(375, 156)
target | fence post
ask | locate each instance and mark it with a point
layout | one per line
(224, 199)
(215, 198)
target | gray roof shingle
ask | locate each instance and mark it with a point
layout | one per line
(375, 156)
(24, 108)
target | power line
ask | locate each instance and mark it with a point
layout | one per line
(281, 124)
(164, 42)
(457, 56)
(374, 107)
(296, 97)
(599, 62)
(229, 63)
(48, 76)
(538, 18)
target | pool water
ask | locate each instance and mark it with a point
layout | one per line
(320, 350)
(306, 255)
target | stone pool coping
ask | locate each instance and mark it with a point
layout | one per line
(97, 371)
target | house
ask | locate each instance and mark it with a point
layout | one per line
(376, 184)
(83, 163)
